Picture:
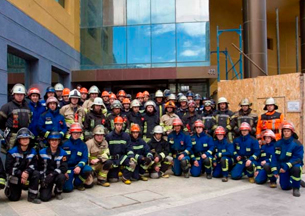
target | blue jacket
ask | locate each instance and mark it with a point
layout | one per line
(179, 143)
(246, 146)
(267, 151)
(223, 148)
(51, 121)
(36, 109)
(77, 153)
(288, 152)
(140, 149)
(202, 144)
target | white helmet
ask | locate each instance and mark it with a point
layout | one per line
(245, 102)
(171, 97)
(74, 94)
(135, 103)
(183, 98)
(59, 87)
(270, 101)
(150, 103)
(98, 101)
(99, 130)
(93, 90)
(222, 100)
(158, 129)
(18, 89)
(158, 93)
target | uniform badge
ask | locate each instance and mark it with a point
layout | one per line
(61, 122)
(64, 158)
(181, 142)
(142, 119)
(103, 121)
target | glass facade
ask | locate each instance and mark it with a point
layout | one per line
(144, 33)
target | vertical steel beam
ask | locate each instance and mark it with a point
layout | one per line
(302, 19)
(278, 42)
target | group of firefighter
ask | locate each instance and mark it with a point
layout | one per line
(66, 139)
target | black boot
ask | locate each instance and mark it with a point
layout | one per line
(209, 176)
(302, 183)
(296, 192)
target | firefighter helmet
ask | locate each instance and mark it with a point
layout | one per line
(166, 92)
(135, 103)
(288, 125)
(50, 89)
(158, 129)
(66, 92)
(191, 103)
(99, 130)
(183, 99)
(105, 94)
(121, 93)
(93, 90)
(76, 128)
(140, 95)
(172, 97)
(55, 135)
(170, 104)
(220, 131)
(150, 103)
(116, 105)
(146, 93)
(118, 120)
(112, 96)
(99, 101)
(268, 133)
(74, 94)
(135, 128)
(177, 122)
(59, 87)
(18, 89)
(189, 94)
(83, 90)
(52, 100)
(245, 102)
(126, 101)
(245, 126)
(159, 94)
(198, 123)
(222, 100)
(197, 97)
(33, 91)
(270, 101)
(24, 133)
(208, 103)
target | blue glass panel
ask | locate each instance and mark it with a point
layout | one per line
(192, 10)
(163, 11)
(138, 44)
(91, 13)
(138, 12)
(163, 43)
(114, 12)
(163, 65)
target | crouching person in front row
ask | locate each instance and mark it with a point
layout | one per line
(223, 157)
(53, 162)
(99, 155)
(287, 161)
(79, 171)
(21, 167)
(160, 150)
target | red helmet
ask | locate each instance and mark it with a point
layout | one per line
(268, 133)
(76, 128)
(288, 125)
(170, 104)
(177, 122)
(245, 126)
(105, 94)
(112, 96)
(220, 131)
(33, 91)
(126, 101)
(191, 103)
(140, 95)
(146, 93)
(198, 123)
(118, 120)
(65, 92)
(83, 90)
(121, 93)
(135, 128)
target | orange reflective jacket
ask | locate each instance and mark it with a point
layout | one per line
(272, 121)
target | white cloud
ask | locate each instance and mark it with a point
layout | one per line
(190, 53)
(193, 29)
(162, 29)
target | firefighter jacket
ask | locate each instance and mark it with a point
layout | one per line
(73, 115)
(136, 118)
(241, 116)
(223, 148)
(98, 150)
(202, 144)
(63, 103)
(110, 122)
(125, 112)
(266, 152)
(288, 152)
(87, 105)
(199, 109)
(14, 116)
(159, 148)
(188, 122)
(150, 121)
(92, 119)
(223, 118)
(166, 121)
(2, 175)
(160, 109)
(208, 121)
(140, 149)
(179, 143)
(36, 110)
(272, 121)
(181, 112)
(51, 121)
(247, 147)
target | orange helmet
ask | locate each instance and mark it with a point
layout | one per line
(135, 128)
(118, 120)
(220, 131)
(76, 128)
(170, 104)
(245, 126)
(105, 94)
(83, 90)
(177, 122)
(140, 95)
(112, 96)
(126, 101)
(268, 133)
(288, 125)
(146, 93)
(65, 92)
(33, 91)
(198, 123)
(121, 93)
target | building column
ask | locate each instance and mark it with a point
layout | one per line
(39, 71)
(3, 72)
(255, 37)
(302, 14)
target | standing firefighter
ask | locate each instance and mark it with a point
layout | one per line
(207, 118)
(99, 155)
(14, 115)
(190, 117)
(116, 108)
(93, 93)
(159, 102)
(151, 119)
(270, 120)
(166, 120)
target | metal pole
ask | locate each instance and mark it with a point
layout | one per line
(278, 42)
(297, 42)
(218, 64)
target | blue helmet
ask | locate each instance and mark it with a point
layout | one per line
(204, 98)
(189, 94)
(24, 133)
(166, 92)
(197, 97)
(50, 89)
(54, 135)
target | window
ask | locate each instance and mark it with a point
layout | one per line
(163, 11)
(138, 12)
(114, 12)
(192, 11)
(91, 13)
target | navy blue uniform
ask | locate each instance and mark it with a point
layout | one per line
(37, 110)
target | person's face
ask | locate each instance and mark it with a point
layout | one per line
(220, 136)
(54, 143)
(74, 101)
(146, 98)
(150, 109)
(111, 100)
(105, 99)
(183, 103)
(126, 106)
(24, 141)
(121, 98)
(52, 106)
(97, 108)
(59, 94)
(223, 106)
(199, 130)
(50, 94)
(244, 132)
(118, 127)
(158, 136)
(99, 138)
(116, 111)
(135, 134)
(189, 98)
(245, 108)
(191, 109)
(141, 99)
(34, 98)
(135, 109)
(287, 133)
(270, 108)
(76, 135)
(78, 88)
(159, 99)
(177, 128)
(207, 108)
(170, 109)
(197, 102)
(268, 139)
(19, 97)
(84, 96)
(93, 95)
(65, 98)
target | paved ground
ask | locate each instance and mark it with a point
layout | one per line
(173, 196)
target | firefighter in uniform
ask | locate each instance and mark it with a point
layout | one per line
(263, 165)
(21, 168)
(160, 150)
(140, 98)
(180, 149)
(146, 96)
(166, 120)
(172, 98)
(244, 115)
(105, 97)
(270, 120)
(13, 116)
(223, 156)
(222, 117)
(79, 172)
(207, 118)
(287, 161)
(73, 112)
(93, 93)
(183, 109)
(202, 151)
(94, 117)
(50, 92)
(142, 154)
(99, 155)
(199, 107)
(126, 107)
(65, 97)
(83, 95)
(121, 95)
(135, 117)
(151, 119)
(159, 103)
(190, 117)
(189, 95)
(116, 108)
(121, 153)
(53, 162)
(59, 89)
(246, 152)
